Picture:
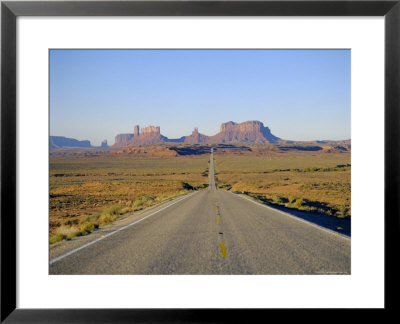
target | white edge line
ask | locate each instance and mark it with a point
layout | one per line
(297, 218)
(118, 230)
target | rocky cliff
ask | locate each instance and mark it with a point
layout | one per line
(61, 141)
(230, 132)
(104, 143)
(195, 137)
(145, 136)
(122, 139)
(247, 132)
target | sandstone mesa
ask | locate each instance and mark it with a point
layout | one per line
(230, 132)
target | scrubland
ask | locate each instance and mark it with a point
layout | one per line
(91, 189)
(309, 181)
(87, 192)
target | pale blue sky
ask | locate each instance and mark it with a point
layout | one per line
(298, 94)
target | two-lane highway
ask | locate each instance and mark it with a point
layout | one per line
(212, 232)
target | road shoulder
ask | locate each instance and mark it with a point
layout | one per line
(318, 221)
(59, 249)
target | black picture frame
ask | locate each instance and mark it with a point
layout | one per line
(10, 10)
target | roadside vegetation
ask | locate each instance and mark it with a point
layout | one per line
(87, 193)
(317, 182)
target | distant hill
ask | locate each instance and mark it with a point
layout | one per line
(230, 132)
(56, 142)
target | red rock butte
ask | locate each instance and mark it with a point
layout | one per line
(230, 132)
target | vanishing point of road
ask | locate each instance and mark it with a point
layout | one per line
(207, 232)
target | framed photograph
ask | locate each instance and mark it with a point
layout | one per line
(175, 160)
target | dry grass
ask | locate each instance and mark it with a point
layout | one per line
(310, 181)
(89, 192)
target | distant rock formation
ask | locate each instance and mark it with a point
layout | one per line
(56, 142)
(136, 130)
(195, 137)
(104, 143)
(145, 136)
(230, 132)
(247, 132)
(150, 130)
(122, 139)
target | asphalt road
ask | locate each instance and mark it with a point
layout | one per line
(209, 232)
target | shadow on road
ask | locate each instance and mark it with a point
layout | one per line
(340, 225)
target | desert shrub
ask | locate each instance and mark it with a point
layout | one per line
(290, 201)
(298, 203)
(112, 210)
(343, 211)
(87, 227)
(143, 201)
(65, 229)
(91, 218)
(126, 210)
(71, 222)
(76, 233)
(107, 218)
(277, 200)
(57, 238)
(138, 203)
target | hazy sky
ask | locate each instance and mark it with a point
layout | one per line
(298, 94)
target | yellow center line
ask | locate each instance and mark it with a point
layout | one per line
(218, 220)
(222, 246)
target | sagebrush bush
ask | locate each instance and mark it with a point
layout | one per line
(57, 238)
(344, 211)
(87, 227)
(107, 218)
(91, 218)
(71, 222)
(112, 210)
(74, 234)
(298, 203)
(126, 210)
(143, 201)
(277, 200)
